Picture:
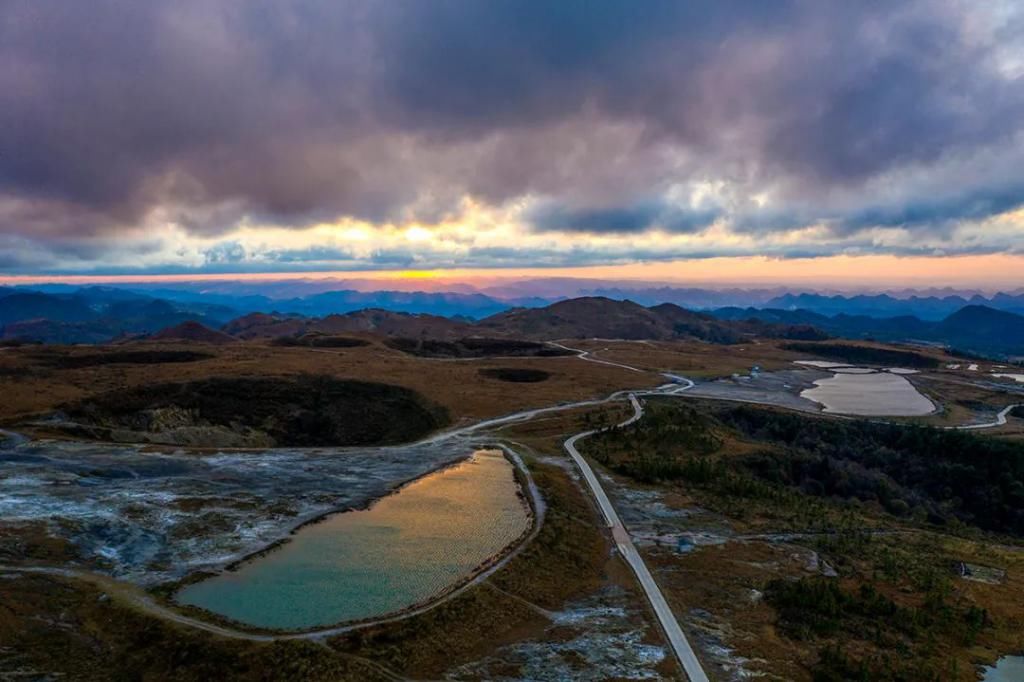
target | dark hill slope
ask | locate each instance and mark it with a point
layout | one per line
(391, 323)
(195, 332)
(597, 317)
(978, 321)
(589, 317)
(306, 411)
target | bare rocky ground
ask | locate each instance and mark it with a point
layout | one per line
(667, 529)
(151, 517)
(597, 638)
(781, 388)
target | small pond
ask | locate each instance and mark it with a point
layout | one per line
(1006, 669)
(406, 549)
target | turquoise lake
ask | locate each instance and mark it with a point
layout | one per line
(407, 548)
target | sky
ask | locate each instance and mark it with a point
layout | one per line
(745, 141)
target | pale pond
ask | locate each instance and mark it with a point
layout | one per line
(1006, 669)
(879, 394)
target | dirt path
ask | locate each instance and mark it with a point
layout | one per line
(677, 386)
(136, 597)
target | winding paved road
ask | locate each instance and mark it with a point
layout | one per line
(999, 421)
(669, 624)
(140, 599)
(676, 637)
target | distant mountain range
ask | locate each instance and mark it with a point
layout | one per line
(63, 314)
(975, 328)
(386, 322)
(96, 315)
(317, 299)
(884, 305)
(319, 304)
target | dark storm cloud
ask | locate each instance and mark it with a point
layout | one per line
(293, 111)
(622, 220)
(936, 211)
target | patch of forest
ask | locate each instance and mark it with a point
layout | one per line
(319, 341)
(816, 608)
(867, 355)
(119, 357)
(519, 375)
(307, 410)
(931, 474)
(943, 474)
(882, 506)
(473, 347)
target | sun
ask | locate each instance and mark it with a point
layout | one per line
(417, 274)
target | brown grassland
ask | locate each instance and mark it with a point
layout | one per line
(33, 386)
(910, 616)
(73, 628)
(65, 626)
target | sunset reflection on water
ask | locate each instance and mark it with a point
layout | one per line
(406, 548)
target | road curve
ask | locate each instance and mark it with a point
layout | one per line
(140, 599)
(585, 355)
(999, 421)
(669, 624)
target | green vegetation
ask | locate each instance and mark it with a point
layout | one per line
(669, 443)
(474, 347)
(120, 357)
(319, 341)
(814, 608)
(306, 410)
(910, 471)
(870, 355)
(61, 629)
(888, 508)
(519, 375)
(939, 474)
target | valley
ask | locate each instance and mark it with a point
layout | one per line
(218, 505)
(511, 341)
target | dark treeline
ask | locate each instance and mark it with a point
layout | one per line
(817, 607)
(667, 444)
(121, 357)
(975, 479)
(320, 341)
(475, 347)
(520, 375)
(820, 608)
(305, 410)
(869, 355)
(931, 474)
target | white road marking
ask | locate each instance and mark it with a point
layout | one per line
(670, 625)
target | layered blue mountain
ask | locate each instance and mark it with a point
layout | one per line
(974, 328)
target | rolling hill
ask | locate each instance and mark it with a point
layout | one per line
(193, 331)
(599, 317)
